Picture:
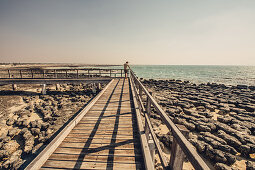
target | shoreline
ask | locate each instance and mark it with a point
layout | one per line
(221, 119)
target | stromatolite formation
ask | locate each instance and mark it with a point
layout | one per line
(221, 118)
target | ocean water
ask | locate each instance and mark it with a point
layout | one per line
(229, 75)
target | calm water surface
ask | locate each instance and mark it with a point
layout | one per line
(231, 75)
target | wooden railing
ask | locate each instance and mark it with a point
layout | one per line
(181, 147)
(60, 73)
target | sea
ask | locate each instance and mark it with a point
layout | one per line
(229, 75)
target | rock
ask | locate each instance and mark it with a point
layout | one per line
(49, 131)
(231, 159)
(6, 139)
(203, 128)
(221, 166)
(25, 123)
(10, 121)
(35, 131)
(36, 148)
(232, 141)
(200, 145)
(245, 149)
(4, 154)
(44, 125)
(12, 132)
(224, 119)
(3, 132)
(166, 140)
(219, 156)
(241, 86)
(14, 161)
(29, 141)
(208, 134)
(250, 165)
(11, 146)
(209, 151)
(201, 108)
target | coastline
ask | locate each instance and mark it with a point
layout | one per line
(220, 119)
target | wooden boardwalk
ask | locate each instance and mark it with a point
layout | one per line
(105, 138)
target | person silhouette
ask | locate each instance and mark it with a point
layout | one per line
(126, 67)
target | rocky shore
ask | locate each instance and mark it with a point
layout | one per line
(28, 119)
(221, 119)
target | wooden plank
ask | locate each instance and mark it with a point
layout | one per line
(93, 157)
(89, 165)
(99, 151)
(96, 145)
(101, 141)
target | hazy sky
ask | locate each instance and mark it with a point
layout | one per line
(140, 31)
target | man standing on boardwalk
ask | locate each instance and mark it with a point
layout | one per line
(126, 67)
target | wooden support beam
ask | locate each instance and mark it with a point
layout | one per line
(14, 87)
(177, 155)
(44, 89)
(141, 92)
(57, 87)
(148, 112)
(55, 76)
(9, 73)
(20, 73)
(32, 74)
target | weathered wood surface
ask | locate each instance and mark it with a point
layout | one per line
(106, 137)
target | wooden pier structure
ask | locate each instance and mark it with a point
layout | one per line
(114, 130)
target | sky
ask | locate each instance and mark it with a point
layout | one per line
(165, 32)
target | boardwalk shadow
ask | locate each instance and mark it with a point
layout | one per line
(86, 149)
(111, 147)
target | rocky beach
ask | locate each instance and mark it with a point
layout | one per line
(220, 118)
(29, 120)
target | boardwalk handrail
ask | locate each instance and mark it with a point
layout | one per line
(186, 146)
(71, 73)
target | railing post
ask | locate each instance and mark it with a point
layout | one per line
(148, 112)
(20, 73)
(32, 74)
(66, 73)
(57, 87)
(77, 74)
(151, 145)
(110, 73)
(121, 73)
(55, 76)
(14, 87)
(141, 92)
(44, 89)
(177, 155)
(43, 73)
(88, 73)
(9, 73)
